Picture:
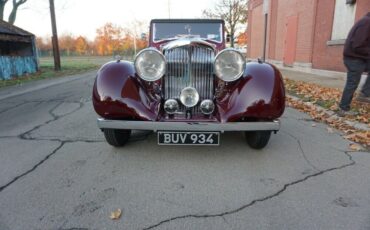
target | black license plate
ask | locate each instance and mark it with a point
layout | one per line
(188, 138)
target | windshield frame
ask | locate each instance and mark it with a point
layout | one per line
(193, 21)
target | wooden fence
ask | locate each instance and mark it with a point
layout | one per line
(11, 66)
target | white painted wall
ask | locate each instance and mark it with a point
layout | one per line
(344, 18)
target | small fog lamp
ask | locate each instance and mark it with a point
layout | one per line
(189, 97)
(171, 106)
(207, 106)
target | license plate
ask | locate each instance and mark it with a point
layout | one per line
(188, 138)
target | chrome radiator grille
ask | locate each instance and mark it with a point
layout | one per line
(189, 66)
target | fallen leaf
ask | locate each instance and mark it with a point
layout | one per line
(309, 95)
(330, 130)
(355, 147)
(116, 214)
(334, 107)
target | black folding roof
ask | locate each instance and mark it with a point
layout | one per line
(188, 20)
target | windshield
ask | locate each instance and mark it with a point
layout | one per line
(166, 30)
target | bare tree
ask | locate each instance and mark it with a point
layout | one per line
(136, 28)
(2, 7)
(13, 13)
(234, 12)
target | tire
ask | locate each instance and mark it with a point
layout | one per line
(257, 139)
(117, 137)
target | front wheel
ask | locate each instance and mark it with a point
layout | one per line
(257, 139)
(117, 137)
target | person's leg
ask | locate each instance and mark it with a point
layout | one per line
(355, 69)
(366, 87)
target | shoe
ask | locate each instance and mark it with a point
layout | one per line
(362, 98)
(343, 113)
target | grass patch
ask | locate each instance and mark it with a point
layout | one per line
(70, 66)
(328, 104)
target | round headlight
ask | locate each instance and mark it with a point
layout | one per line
(150, 64)
(207, 106)
(229, 65)
(171, 106)
(189, 97)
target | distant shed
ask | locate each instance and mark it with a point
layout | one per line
(18, 53)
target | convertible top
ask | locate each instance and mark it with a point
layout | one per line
(188, 20)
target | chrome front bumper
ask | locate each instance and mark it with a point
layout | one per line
(188, 126)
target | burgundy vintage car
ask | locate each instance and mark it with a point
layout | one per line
(188, 87)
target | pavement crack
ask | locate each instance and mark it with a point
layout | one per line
(59, 100)
(13, 107)
(71, 141)
(302, 151)
(33, 168)
(259, 200)
(73, 229)
(7, 137)
(26, 135)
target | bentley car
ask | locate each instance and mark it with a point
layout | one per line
(189, 88)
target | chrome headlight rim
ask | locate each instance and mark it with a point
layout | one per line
(195, 94)
(236, 77)
(138, 71)
(207, 110)
(171, 106)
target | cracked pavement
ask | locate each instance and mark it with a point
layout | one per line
(57, 172)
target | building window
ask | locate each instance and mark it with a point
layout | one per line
(344, 18)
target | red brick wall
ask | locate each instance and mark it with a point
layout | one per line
(362, 8)
(304, 10)
(280, 10)
(331, 57)
(255, 29)
(272, 30)
(324, 56)
(315, 22)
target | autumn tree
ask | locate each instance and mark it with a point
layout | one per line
(127, 44)
(234, 12)
(142, 43)
(44, 46)
(81, 45)
(91, 48)
(242, 39)
(66, 44)
(108, 39)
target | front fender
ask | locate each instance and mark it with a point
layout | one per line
(119, 94)
(259, 94)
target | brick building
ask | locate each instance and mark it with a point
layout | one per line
(305, 34)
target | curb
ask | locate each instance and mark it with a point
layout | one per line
(355, 124)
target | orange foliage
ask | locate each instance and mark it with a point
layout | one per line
(242, 39)
(80, 45)
(110, 39)
(66, 44)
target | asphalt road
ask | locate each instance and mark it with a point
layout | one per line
(57, 172)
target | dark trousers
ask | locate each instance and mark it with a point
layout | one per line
(355, 69)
